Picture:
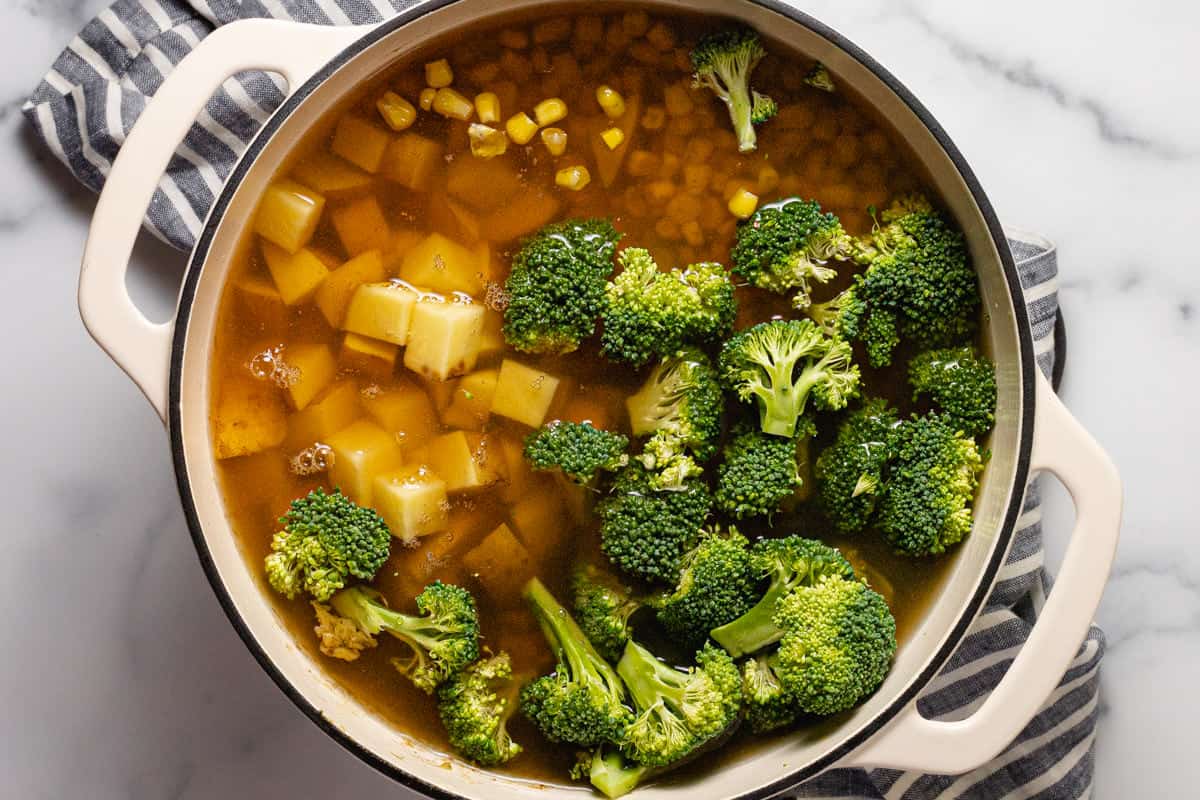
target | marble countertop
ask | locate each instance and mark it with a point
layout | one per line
(121, 677)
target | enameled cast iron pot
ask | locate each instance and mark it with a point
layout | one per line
(170, 363)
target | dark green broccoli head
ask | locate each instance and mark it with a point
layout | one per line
(758, 472)
(785, 246)
(716, 585)
(645, 531)
(603, 608)
(677, 711)
(326, 540)
(576, 449)
(649, 313)
(928, 487)
(849, 473)
(443, 639)
(679, 406)
(839, 639)
(769, 705)
(475, 705)
(780, 364)
(723, 62)
(961, 384)
(556, 287)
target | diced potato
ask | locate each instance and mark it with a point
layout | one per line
(440, 392)
(501, 563)
(288, 214)
(482, 185)
(257, 299)
(609, 159)
(521, 214)
(362, 451)
(453, 219)
(444, 338)
(335, 409)
(315, 369)
(331, 176)
(441, 265)
(411, 160)
(360, 142)
(541, 522)
(403, 240)
(296, 275)
(472, 403)
(412, 501)
(381, 311)
(463, 460)
(373, 358)
(405, 411)
(491, 340)
(523, 393)
(361, 226)
(334, 295)
(249, 418)
(518, 476)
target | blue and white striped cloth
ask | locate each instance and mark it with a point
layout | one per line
(94, 93)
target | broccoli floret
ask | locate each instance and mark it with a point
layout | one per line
(847, 316)
(678, 711)
(576, 449)
(716, 585)
(758, 471)
(838, 642)
(443, 639)
(340, 637)
(769, 705)
(650, 313)
(609, 771)
(326, 540)
(645, 531)
(475, 706)
(556, 287)
(962, 385)
(819, 78)
(603, 608)
(582, 701)
(785, 246)
(849, 473)
(786, 563)
(723, 62)
(780, 364)
(928, 487)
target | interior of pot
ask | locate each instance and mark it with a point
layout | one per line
(778, 759)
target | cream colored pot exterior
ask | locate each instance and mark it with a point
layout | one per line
(170, 362)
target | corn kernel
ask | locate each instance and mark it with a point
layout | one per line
(693, 234)
(654, 118)
(450, 103)
(743, 203)
(611, 101)
(438, 74)
(398, 113)
(549, 111)
(573, 178)
(520, 128)
(486, 141)
(425, 101)
(613, 138)
(487, 107)
(555, 140)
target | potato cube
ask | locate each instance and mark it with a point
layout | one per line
(362, 452)
(522, 213)
(406, 412)
(440, 392)
(331, 176)
(472, 401)
(334, 410)
(453, 219)
(297, 275)
(412, 501)
(464, 461)
(444, 338)
(315, 369)
(482, 185)
(361, 226)
(288, 214)
(258, 301)
(411, 161)
(441, 265)
(374, 358)
(501, 563)
(403, 240)
(541, 522)
(518, 475)
(249, 418)
(360, 142)
(523, 393)
(491, 340)
(381, 311)
(334, 295)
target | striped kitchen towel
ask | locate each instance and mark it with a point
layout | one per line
(94, 93)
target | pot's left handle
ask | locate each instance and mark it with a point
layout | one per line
(140, 347)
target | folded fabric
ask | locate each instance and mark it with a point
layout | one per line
(91, 98)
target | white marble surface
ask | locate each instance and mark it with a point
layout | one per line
(120, 676)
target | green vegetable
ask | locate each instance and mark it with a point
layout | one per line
(769, 705)
(780, 364)
(576, 449)
(556, 287)
(716, 585)
(475, 706)
(648, 313)
(443, 639)
(326, 540)
(819, 78)
(603, 608)
(785, 246)
(849, 473)
(758, 472)
(961, 384)
(609, 771)
(723, 62)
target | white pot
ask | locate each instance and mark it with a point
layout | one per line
(170, 362)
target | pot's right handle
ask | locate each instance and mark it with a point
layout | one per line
(139, 346)
(1060, 446)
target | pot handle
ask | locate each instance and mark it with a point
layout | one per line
(1060, 446)
(141, 347)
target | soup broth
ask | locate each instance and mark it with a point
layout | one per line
(416, 205)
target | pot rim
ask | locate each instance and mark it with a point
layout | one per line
(1027, 365)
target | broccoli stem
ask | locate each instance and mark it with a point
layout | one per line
(567, 637)
(755, 629)
(649, 680)
(612, 775)
(740, 107)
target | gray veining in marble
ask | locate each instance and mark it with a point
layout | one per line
(120, 676)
